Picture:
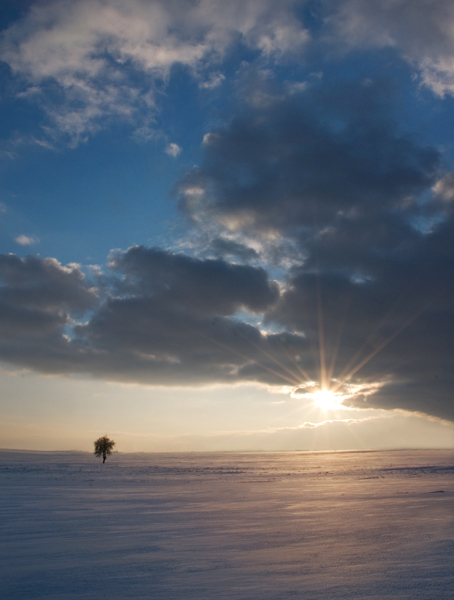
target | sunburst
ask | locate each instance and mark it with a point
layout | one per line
(326, 399)
(328, 392)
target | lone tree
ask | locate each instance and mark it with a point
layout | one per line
(103, 447)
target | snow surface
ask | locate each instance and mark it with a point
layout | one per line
(259, 526)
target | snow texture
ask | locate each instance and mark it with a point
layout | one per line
(249, 526)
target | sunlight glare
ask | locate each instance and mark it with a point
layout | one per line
(326, 400)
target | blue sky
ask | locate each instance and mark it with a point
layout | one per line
(228, 224)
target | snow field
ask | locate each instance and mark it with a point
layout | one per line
(238, 526)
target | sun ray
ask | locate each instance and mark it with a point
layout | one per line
(373, 335)
(294, 381)
(321, 334)
(326, 394)
(339, 335)
(380, 347)
(297, 366)
(272, 358)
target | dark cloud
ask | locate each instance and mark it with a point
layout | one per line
(396, 327)
(149, 330)
(370, 210)
(167, 320)
(330, 157)
(141, 340)
(37, 296)
(36, 283)
(39, 299)
(200, 287)
(225, 248)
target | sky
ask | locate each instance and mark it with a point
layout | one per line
(227, 225)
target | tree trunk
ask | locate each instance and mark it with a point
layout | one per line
(104, 458)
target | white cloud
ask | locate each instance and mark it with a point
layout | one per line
(444, 188)
(173, 150)
(213, 81)
(209, 137)
(90, 48)
(26, 240)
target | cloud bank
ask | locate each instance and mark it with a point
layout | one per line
(161, 318)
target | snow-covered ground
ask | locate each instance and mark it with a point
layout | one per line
(315, 526)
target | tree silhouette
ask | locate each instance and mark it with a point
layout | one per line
(103, 447)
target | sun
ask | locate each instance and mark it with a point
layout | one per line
(326, 400)
(332, 395)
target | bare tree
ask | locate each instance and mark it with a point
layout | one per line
(103, 447)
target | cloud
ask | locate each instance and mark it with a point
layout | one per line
(422, 31)
(331, 157)
(368, 210)
(213, 81)
(26, 240)
(395, 329)
(444, 188)
(37, 298)
(165, 319)
(173, 150)
(170, 319)
(87, 61)
(202, 287)
(224, 247)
